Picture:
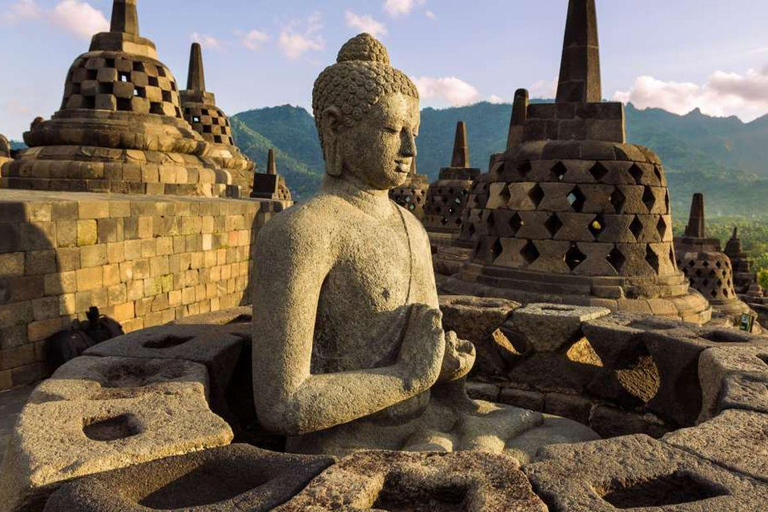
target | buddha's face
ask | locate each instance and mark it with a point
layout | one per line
(379, 150)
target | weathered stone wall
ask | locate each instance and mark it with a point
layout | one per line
(142, 260)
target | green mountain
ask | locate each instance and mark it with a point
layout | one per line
(722, 157)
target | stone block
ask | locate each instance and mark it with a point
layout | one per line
(725, 371)
(475, 318)
(12, 265)
(56, 441)
(611, 422)
(93, 256)
(734, 439)
(419, 481)
(231, 478)
(532, 400)
(641, 474)
(87, 232)
(89, 279)
(572, 407)
(550, 327)
(483, 391)
(217, 347)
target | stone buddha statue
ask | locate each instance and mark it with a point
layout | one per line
(349, 349)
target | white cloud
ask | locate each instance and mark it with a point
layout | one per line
(206, 41)
(365, 23)
(401, 7)
(76, 17)
(544, 89)
(22, 10)
(301, 36)
(495, 99)
(431, 15)
(254, 39)
(724, 94)
(452, 90)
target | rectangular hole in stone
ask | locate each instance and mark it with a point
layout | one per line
(399, 496)
(674, 489)
(207, 485)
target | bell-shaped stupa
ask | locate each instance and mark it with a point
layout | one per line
(120, 128)
(412, 195)
(709, 270)
(200, 111)
(270, 185)
(575, 214)
(5, 150)
(447, 197)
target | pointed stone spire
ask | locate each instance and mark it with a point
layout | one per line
(460, 147)
(271, 165)
(696, 227)
(125, 19)
(517, 121)
(196, 77)
(580, 65)
(733, 247)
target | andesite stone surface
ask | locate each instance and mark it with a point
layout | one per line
(228, 479)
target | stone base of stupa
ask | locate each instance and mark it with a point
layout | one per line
(121, 171)
(668, 297)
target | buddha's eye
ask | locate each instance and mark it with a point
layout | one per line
(391, 129)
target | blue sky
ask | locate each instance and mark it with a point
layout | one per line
(674, 54)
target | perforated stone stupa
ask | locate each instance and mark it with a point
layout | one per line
(413, 194)
(447, 197)
(270, 185)
(200, 111)
(120, 128)
(705, 265)
(576, 214)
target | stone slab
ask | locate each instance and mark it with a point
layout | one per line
(549, 327)
(233, 478)
(419, 483)
(737, 440)
(116, 378)
(217, 347)
(56, 441)
(641, 474)
(734, 368)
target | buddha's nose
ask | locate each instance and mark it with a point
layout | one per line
(408, 146)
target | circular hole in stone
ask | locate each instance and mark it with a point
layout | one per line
(167, 342)
(111, 429)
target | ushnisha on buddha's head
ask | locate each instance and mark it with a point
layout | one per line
(367, 116)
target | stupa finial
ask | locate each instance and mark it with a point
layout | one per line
(196, 77)
(580, 65)
(271, 165)
(696, 227)
(517, 121)
(460, 147)
(125, 18)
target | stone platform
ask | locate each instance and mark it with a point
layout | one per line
(142, 260)
(683, 410)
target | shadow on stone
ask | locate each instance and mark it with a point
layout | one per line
(674, 489)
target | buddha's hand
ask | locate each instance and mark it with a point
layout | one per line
(421, 354)
(458, 360)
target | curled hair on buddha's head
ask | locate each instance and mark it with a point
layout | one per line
(361, 77)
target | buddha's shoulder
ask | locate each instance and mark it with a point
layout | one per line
(318, 217)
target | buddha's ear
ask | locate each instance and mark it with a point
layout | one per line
(331, 126)
(332, 121)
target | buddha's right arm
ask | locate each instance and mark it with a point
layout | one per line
(289, 399)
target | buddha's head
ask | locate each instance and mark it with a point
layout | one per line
(5, 147)
(367, 116)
